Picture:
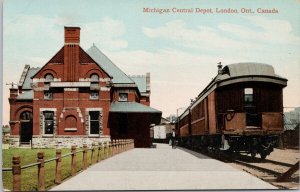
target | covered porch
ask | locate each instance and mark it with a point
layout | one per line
(131, 120)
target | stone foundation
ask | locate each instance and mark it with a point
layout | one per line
(14, 141)
(61, 141)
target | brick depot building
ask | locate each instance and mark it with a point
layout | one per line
(80, 97)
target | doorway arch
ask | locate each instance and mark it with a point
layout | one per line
(26, 127)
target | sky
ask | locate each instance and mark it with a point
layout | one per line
(179, 49)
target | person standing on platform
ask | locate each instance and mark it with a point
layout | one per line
(173, 139)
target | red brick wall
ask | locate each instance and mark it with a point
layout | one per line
(70, 64)
(16, 108)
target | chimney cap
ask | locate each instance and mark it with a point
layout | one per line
(71, 27)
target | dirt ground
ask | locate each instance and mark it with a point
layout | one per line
(290, 156)
(287, 155)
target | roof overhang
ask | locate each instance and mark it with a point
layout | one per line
(122, 85)
(252, 78)
(131, 107)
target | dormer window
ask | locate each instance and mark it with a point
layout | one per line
(94, 77)
(123, 96)
(49, 77)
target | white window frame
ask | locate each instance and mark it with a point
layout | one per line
(248, 91)
(89, 119)
(50, 110)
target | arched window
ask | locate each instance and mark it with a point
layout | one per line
(94, 77)
(26, 116)
(49, 77)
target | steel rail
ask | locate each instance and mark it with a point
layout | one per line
(258, 168)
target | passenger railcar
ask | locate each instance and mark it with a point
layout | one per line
(241, 110)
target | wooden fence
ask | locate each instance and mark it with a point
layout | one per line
(109, 149)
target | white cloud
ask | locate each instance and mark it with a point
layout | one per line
(199, 37)
(106, 33)
(34, 29)
(270, 31)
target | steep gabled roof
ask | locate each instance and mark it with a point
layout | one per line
(58, 57)
(119, 77)
(141, 83)
(25, 80)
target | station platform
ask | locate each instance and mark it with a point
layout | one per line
(162, 168)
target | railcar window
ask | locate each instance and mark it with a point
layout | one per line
(248, 93)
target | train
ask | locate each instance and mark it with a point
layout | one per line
(239, 111)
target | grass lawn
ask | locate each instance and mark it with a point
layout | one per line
(29, 176)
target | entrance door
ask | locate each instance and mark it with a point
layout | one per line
(26, 127)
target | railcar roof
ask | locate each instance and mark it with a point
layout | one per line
(242, 69)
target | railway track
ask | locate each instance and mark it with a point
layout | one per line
(265, 169)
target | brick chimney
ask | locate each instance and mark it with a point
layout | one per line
(13, 94)
(71, 54)
(72, 35)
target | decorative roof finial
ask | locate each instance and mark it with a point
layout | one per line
(12, 84)
(219, 68)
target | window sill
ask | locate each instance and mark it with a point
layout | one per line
(48, 135)
(70, 129)
(95, 136)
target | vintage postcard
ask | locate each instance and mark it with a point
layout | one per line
(150, 95)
